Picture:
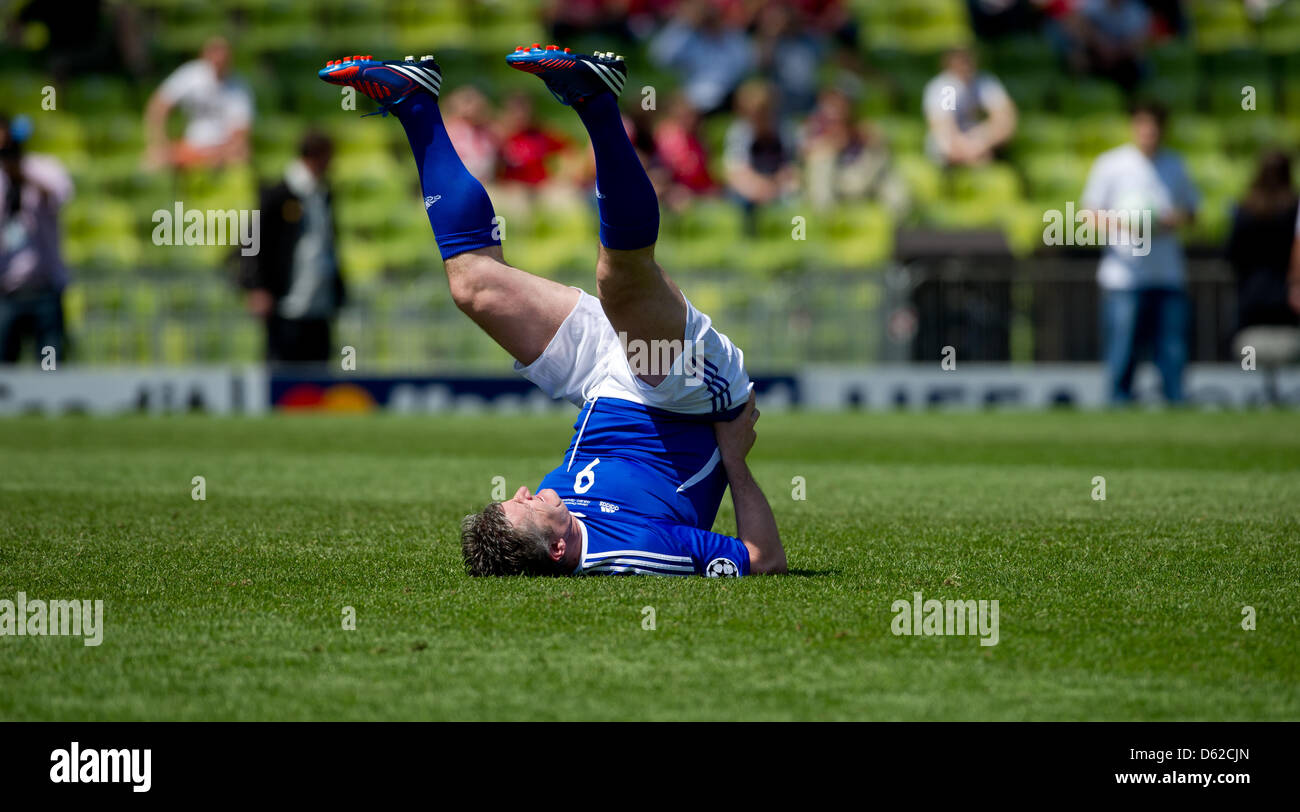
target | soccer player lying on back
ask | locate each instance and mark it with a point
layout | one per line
(653, 449)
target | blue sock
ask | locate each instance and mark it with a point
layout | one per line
(629, 209)
(457, 204)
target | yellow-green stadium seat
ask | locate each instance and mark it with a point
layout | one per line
(994, 185)
(1220, 26)
(856, 235)
(1218, 176)
(1099, 132)
(361, 260)
(1042, 133)
(1088, 96)
(1023, 225)
(1056, 178)
(1280, 33)
(23, 92)
(1178, 92)
(904, 133)
(61, 135)
(924, 179)
(1031, 91)
(102, 94)
(1191, 133)
(1172, 58)
(281, 25)
(1225, 97)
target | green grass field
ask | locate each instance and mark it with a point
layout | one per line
(231, 608)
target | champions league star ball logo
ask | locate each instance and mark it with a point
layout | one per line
(721, 568)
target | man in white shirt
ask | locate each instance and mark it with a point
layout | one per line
(1143, 279)
(218, 108)
(970, 113)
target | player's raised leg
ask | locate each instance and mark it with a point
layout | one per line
(520, 311)
(638, 297)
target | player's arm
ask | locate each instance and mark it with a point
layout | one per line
(157, 144)
(1002, 121)
(755, 523)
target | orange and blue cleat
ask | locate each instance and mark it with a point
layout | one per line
(388, 82)
(571, 77)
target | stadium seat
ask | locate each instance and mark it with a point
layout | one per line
(1179, 92)
(1054, 180)
(1192, 134)
(1225, 95)
(1088, 97)
(1037, 133)
(1097, 133)
(857, 236)
(1218, 26)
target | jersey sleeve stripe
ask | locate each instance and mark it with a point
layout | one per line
(617, 564)
(638, 571)
(639, 554)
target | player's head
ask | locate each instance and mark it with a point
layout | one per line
(1149, 119)
(526, 535)
(961, 62)
(316, 150)
(216, 52)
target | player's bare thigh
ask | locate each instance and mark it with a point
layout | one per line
(520, 311)
(639, 300)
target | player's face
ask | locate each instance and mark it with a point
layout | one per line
(544, 509)
(1146, 132)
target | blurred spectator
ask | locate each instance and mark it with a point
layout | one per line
(833, 23)
(1293, 279)
(787, 55)
(1259, 246)
(1260, 250)
(992, 19)
(1114, 36)
(1169, 18)
(218, 106)
(468, 118)
(294, 282)
(76, 37)
(570, 19)
(527, 145)
(845, 160)
(760, 151)
(1144, 299)
(680, 155)
(710, 56)
(829, 18)
(32, 190)
(970, 114)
